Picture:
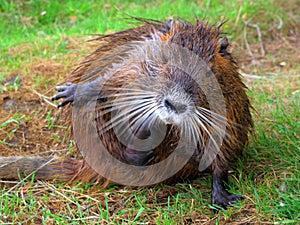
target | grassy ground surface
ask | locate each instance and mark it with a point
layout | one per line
(41, 41)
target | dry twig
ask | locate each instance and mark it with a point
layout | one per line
(262, 49)
(44, 98)
(252, 76)
(247, 44)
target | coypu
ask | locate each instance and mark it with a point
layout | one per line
(165, 100)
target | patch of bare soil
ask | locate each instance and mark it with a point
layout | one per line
(26, 120)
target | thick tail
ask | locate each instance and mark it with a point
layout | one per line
(15, 168)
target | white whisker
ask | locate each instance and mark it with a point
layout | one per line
(199, 121)
(212, 114)
(125, 114)
(216, 121)
(198, 136)
(132, 94)
(210, 122)
(131, 90)
(143, 117)
(124, 104)
(190, 133)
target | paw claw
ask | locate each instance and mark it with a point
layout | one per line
(61, 88)
(226, 199)
(233, 199)
(66, 92)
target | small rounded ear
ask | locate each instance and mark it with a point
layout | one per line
(167, 26)
(223, 45)
(170, 23)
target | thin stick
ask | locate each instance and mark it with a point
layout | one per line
(262, 49)
(45, 98)
(247, 44)
(252, 76)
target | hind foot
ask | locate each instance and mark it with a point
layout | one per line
(224, 199)
(220, 196)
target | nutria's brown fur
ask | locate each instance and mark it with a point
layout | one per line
(207, 44)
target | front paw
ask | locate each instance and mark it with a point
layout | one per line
(66, 92)
(224, 199)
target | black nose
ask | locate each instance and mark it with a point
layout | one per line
(175, 106)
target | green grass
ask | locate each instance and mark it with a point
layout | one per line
(14, 122)
(40, 31)
(276, 148)
(28, 21)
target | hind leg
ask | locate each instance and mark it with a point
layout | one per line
(220, 196)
